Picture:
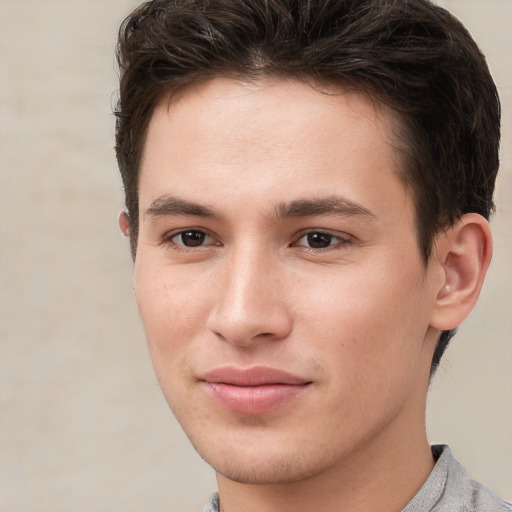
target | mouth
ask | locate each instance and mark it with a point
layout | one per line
(252, 391)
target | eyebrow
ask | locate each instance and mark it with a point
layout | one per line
(330, 205)
(168, 205)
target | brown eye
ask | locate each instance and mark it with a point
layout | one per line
(191, 238)
(319, 240)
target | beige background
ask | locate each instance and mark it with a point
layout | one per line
(83, 426)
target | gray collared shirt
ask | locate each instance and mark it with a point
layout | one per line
(447, 489)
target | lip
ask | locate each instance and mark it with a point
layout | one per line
(255, 390)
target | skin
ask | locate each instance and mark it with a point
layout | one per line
(357, 316)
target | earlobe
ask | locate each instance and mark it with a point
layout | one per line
(463, 253)
(124, 222)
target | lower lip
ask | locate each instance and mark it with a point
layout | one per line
(253, 399)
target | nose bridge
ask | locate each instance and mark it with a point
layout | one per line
(250, 301)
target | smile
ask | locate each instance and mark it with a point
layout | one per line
(252, 391)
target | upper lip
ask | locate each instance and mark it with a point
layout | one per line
(253, 376)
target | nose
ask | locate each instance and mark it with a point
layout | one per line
(251, 300)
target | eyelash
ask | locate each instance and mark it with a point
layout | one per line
(341, 240)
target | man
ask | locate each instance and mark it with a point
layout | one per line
(308, 184)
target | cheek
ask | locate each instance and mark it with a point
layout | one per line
(369, 341)
(172, 317)
(369, 323)
(170, 309)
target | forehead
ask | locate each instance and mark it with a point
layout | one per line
(271, 138)
(231, 104)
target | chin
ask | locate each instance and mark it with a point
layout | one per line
(271, 472)
(260, 463)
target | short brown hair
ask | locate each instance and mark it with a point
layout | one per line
(411, 55)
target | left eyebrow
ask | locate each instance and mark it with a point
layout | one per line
(331, 205)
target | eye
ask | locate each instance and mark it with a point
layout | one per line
(191, 238)
(321, 240)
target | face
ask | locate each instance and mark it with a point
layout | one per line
(279, 280)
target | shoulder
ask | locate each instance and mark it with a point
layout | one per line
(213, 504)
(479, 498)
(449, 489)
(461, 493)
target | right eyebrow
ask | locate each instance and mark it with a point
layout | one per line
(169, 205)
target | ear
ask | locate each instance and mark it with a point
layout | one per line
(462, 254)
(124, 222)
